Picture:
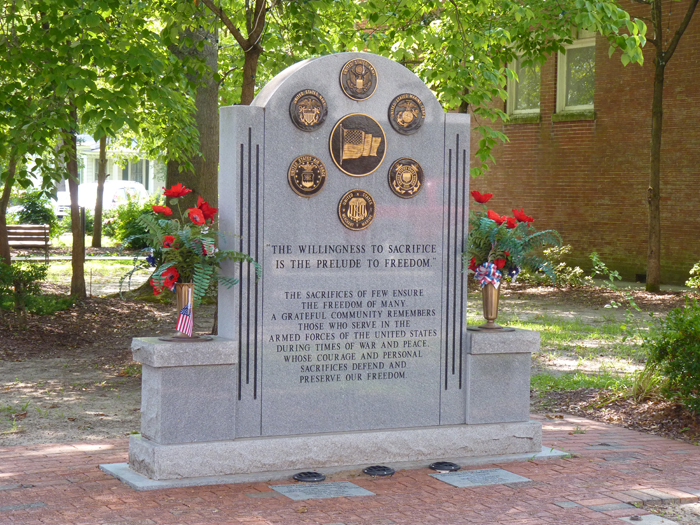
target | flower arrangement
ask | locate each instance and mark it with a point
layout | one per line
(499, 244)
(183, 248)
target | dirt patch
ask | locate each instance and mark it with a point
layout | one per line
(70, 376)
(688, 514)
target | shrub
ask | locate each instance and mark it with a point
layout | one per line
(37, 209)
(565, 274)
(675, 347)
(126, 227)
(20, 291)
(66, 222)
(694, 281)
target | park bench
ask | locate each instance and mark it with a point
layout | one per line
(23, 236)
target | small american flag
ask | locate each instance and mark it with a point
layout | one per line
(184, 320)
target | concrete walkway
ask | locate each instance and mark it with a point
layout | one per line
(614, 473)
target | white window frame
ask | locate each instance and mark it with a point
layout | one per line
(511, 87)
(585, 39)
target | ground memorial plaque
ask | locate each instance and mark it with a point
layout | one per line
(348, 183)
(358, 321)
(477, 478)
(333, 489)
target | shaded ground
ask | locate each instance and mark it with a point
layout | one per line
(70, 376)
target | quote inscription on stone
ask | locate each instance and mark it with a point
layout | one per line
(352, 334)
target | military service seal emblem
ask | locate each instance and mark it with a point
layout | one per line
(406, 178)
(406, 114)
(308, 110)
(358, 79)
(356, 210)
(307, 175)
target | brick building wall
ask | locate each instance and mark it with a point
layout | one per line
(588, 179)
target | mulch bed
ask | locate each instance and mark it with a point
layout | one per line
(95, 327)
(590, 296)
(664, 418)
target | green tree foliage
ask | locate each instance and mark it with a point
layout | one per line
(68, 64)
(462, 50)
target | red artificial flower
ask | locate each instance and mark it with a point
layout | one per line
(196, 215)
(178, 190)
(521, 217)
(495, 217)
(168, 241)
(481, 199)
(472, 264)
(500, 263)
(507, 254)
(163, 209)
(207, 210)
(156, 288)
(170, 277)
(511, 222)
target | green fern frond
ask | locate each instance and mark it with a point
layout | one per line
(203, 274)
(241, 258)
(228, 282)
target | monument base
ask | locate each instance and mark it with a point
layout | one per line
(123, 473)
(346, 449)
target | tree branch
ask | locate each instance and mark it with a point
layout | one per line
(223, 77)
(681, 29)
(219, 12)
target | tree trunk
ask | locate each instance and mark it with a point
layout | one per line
(653, 192)
(77, 283)
(203, 179)
(4, 200)
(101, 177)
(250, 70)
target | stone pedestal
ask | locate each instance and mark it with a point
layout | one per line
(189, 403)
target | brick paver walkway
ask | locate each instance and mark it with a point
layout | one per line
(614, 473)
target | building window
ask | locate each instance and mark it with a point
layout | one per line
(576, 74)
(524, 94)
(125, 170)
(137, 171)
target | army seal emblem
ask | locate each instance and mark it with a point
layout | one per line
(406, 178)
(356, 210)
(406, 114)
(307, 175)
(308, 110)
(358, 79)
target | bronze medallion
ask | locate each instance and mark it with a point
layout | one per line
(358, 144)
(406, 114)
(356, 210)
(308, 110)
(406, 178)
(358, 79)
(307, 175)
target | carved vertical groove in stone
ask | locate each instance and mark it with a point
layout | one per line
(447, 305)
(257, 258)
(456, 236)
(249, 229)
(240, 288)
(463, 244)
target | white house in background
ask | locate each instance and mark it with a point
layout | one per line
(148, 172)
